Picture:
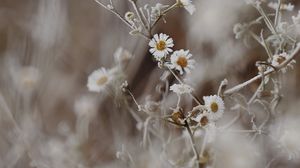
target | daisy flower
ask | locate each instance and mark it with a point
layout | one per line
(98, 80)
(187, 4)
(215, 106)
(203, 119)
(181, 61)
(181, 88)
(160, 45)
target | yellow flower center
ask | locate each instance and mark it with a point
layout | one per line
(161, 45)
(102, 80)
(214, 107)
(182, 61)
(204, 121)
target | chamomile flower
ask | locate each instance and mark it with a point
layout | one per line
(202, 119)
(160, 45)
(181, 88)
(98, 80)
(215, 106)
(181, 61)
(187, 4)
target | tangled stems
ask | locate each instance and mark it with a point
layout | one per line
(148, 27)
(266, 73)
(145, 30)
(164, 13)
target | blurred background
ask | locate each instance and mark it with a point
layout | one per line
(48, 48)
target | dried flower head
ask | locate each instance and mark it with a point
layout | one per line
(181, 61)
(122, 56)
(215, 106)
(177, 116)
(124, 86)
(274, 5)
(99, 79)
(181, 88)
(280, 58)
(160, 45)
(203, 119)
(129, 16)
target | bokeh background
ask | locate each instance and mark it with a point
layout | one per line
(60, 42)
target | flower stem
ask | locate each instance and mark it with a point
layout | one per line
(193, 143)
(266, 73)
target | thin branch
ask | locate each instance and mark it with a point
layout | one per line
(180, 81)
(138, 13)
(278, 13)
(114, 12)
(162, 14)
(266, 73)
(193, 143)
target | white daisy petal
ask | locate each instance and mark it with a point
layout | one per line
(181, 61)
(181, 88)
(160, 46)
(152, 43)
(215, 106)
(98, 80)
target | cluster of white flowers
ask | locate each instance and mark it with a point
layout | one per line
(180, 60)
(161, 46)
(276, 39)
(181, 89)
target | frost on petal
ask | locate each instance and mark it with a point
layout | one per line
(181, 88)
